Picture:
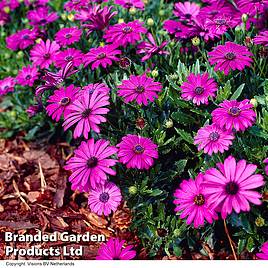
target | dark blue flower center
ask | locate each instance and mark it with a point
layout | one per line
(26, 36)
(199, 90)
(46, 56)
(92, 162)
(138, 149)
(220, 21)
(101, 56)
(28, 77)
(68, 35)
(231, 188)
(140, 89)
(230, 56)
(43, 21)
(214, 136)
(69, 58)
(199, 200)
(188, 16)
(127, 30)
(234, 111)
(104, 197)
(86, 113)
(64, 101)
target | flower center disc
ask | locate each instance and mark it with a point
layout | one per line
(69, 58)
(43, 21)
(231, 188)
(104, 197)
(138, 149)
(127, 30)
(86, 113)
(92, 162)
(220, 21)
(101, 56)
(64, 101)
(199, 90)
(199, 200)
(46, 56)
(28, 77)
(68, 35)
(234, 111)
(230, 56)
(139, 89)
(26, 36)
(214, 136)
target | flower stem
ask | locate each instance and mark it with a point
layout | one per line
(229, 238)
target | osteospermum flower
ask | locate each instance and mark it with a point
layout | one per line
(96, 18)
(21, 39)
(44, 53)
(213, 139)
(261, 39)
(60, 101)
(151, 48)
(177, 28)
(220, 24)
(68, 36)
(91, 164)
(125, 33)
(69, 55)
(230, 56)
(186, 11)
(192, 202)
(130, 3)
(27, 75)
(104, 199)
(234, 114)
(139, 88)
(137, 152)
(230, 187)
(114, 250)
(263, 255)
(41, 16)
(103, 56)
(102, 88)
(198, 88)
(87, 112)
(252, 6)
(7, 85)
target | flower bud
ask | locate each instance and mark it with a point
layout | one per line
(196, 41)
(132, 11)
(19, 55)
(38, 40)
(102, 44)
(168, 123)
(63, 16)
(238, 29)
(161, 13)
(244, 18)
(150, 22)
(154, 73)
(140, 123)
(254, 102)
(260, 221)
(120, 20)
(70, 17)
(6, 9)
(133, 190)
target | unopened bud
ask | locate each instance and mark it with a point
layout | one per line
(150, 22)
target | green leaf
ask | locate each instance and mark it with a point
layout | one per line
(250, 244)
(177, 251)
(238, 92)
(241, 245)
(185, 135)
(224, 92)
(180, 165)
(182, 118)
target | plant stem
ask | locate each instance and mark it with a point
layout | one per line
(229, 238)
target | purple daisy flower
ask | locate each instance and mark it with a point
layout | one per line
(103, 56)
(213, 139)
(27, 75)
(87, 113)
(125, 33)
(104, 199)
(21, 39)
(252, 6)
(231, 186)
(186, 11)
(139, 88)
(60, 101)
(263, 255)
(220, 24)
(69, 55)
(261, 39)
(96, 18)
(114, 250)
(91, 164)
(137, 152)
(151, 48)
(180, 30)
(44, 53)
(193, 203)
(76, 5)
(233, 114)
(7, 85)
(68, 36)
(198, 88)
(41, 16)
(98, 86)
(230, 56)
(130, 3)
